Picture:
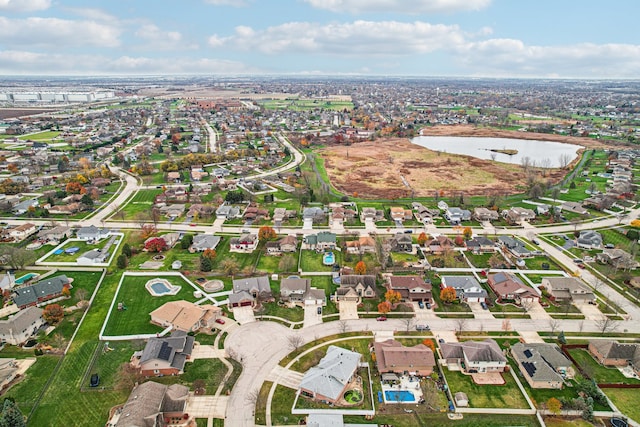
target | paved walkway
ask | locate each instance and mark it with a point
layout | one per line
(531, 337)
(285, 377)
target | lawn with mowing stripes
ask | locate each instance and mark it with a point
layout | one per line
(487, 396)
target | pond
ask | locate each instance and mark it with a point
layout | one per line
(540, 153)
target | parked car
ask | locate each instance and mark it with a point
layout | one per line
(422, 328)
(578, 261)
(220, 321)
(609, 246)
(582, 266)
(381, 319)
(428, 306)
(441, 340)
(95, 380)
(420, 304)
(319, 310)
(484, 305)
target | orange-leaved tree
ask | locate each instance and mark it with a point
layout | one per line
(53, 313)
(429, 343)
(422, 238)
(392, 296)
(448, 295)
(467, 233)
(266, 233)
(384, 307)
(210, 253)
(361, 268)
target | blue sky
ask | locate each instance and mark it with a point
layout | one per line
(449, 38)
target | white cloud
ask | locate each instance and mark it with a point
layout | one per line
(399, 6)
(57, 32)
(511, 57)
(234, 3)
(162, 40)
(346, 39)
(24, 5)
(23, 62)
(93, 14)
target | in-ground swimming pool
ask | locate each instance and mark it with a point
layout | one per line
(329, 258)
(394, 396)
(161, 287)
(28, 276)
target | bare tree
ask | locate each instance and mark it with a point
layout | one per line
(564, 160)
(493, 155)
(606, 324)
(294, 341)
(408, 323)
(526, 305)
(461, 324)
(554, 324)
(81, 294)
(343, 326)
(252, 397)
(506, 325)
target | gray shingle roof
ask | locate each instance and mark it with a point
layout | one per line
(30, 294)
(333, 372)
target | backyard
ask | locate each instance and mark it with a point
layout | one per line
(487, 396)
(597, 372)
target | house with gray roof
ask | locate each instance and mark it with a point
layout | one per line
(476, 356)
(248, 289)
(456, 215)
(314, 213)
(150, 403)
(589, 239)
(568, 289)
(542, 365)
(21, 326)
(354, 287)
(298, 291)
(515, 247)
(227, 212)
(202, 242)
(613, 353)
(23, 207)
(92, 233)
(324, 240)
(55, 234)
(94, 256)
(41, 291)
(164, 355)
(328, 380)
(468, 289)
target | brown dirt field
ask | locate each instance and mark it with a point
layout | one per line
(470, 130)
(11, 113)
(374, 169)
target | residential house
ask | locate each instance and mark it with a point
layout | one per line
(542, 365)
(173, 177)
(468, 289)
(515, 247)
(517, 215)
(474, 356)
(199, 210)
(92, 233)
(400, 214)
(439, 244)
(227, 212)
(22, 231)
(508, 287)
(393, 357)
(411, 288)
(248, 289)
(574, 207)
(364, 244)
(341, 214)
(185, 316)
(455, 215)
(354, 287)
(617, 258)
(542, 209)
(371, 214)
(613, 353)
(41, 291)
(253, 213)
(299, 291)
(18, 328)
(589, 239)
(202, 242)
(7, 281)
(401, 242)
(172, 211)
(23, 207)
(323, 241)
(481, 244)
(164, 355)
(155, 404)
(599, 202)
(568, 289)
(66, 209)
(247, 242)
(328, 380)
(314, 214)
(484, 215)
(278, 247)
(92, 257)
(424, 214)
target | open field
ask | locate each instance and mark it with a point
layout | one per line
(374, 169)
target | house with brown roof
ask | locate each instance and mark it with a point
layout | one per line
(400, 214)
(517, 215)
(185, 316)
(484, 214)
(568, 289)
(354, 287)
(411, 288)
(439, 244)
(613, 353)
(509, 288)
(152, 404)
(164, 355)
(474, 356)
(364, 244)
(22, 231)
(393, 357)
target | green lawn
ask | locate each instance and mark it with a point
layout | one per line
(139, 302)
(487, 396)
(312, 261)
(212, 371)
(626, 400)
(597, 372)
(270, 264)
(141, 202)
(479, 260)
(82, 245)
(26, 391)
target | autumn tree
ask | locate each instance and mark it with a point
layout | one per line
(53, 313)
(384, 307)
(467, 233)
(148, 230)
(448, 295)
(74, 188)
(266, 233)
(361, 268)
(157, 244)
(393, 297)
(554, 405)
(422, 238)
(210, 253)
(229, 267)
(429, 343)
(459, 240)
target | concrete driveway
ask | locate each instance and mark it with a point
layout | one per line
(590, 311)
(348, 310)
(243, 315)
(207, 406)
(479, 312)
(311, 316)
(536, 311)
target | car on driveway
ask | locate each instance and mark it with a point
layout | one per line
(420, 304)
(319, 310)
(220, 321)
(381, 319)
(441, 340)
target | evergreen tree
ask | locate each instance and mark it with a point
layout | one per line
(186, 241)
(11, 415)
(122, 261)
(205, 263)
(126, 250)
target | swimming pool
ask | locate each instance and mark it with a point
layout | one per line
(160, 288)
(394, 396)
(329, 258)
(26, 277)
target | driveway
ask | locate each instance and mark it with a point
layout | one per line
(207, 406)
(207, 352)
(479, 312)
(311, 316)
(243, 315)
(590, 311)
(348, 310)
(536, 311)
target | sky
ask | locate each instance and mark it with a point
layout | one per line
(432, 38)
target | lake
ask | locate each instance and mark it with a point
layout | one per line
(540, 153)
